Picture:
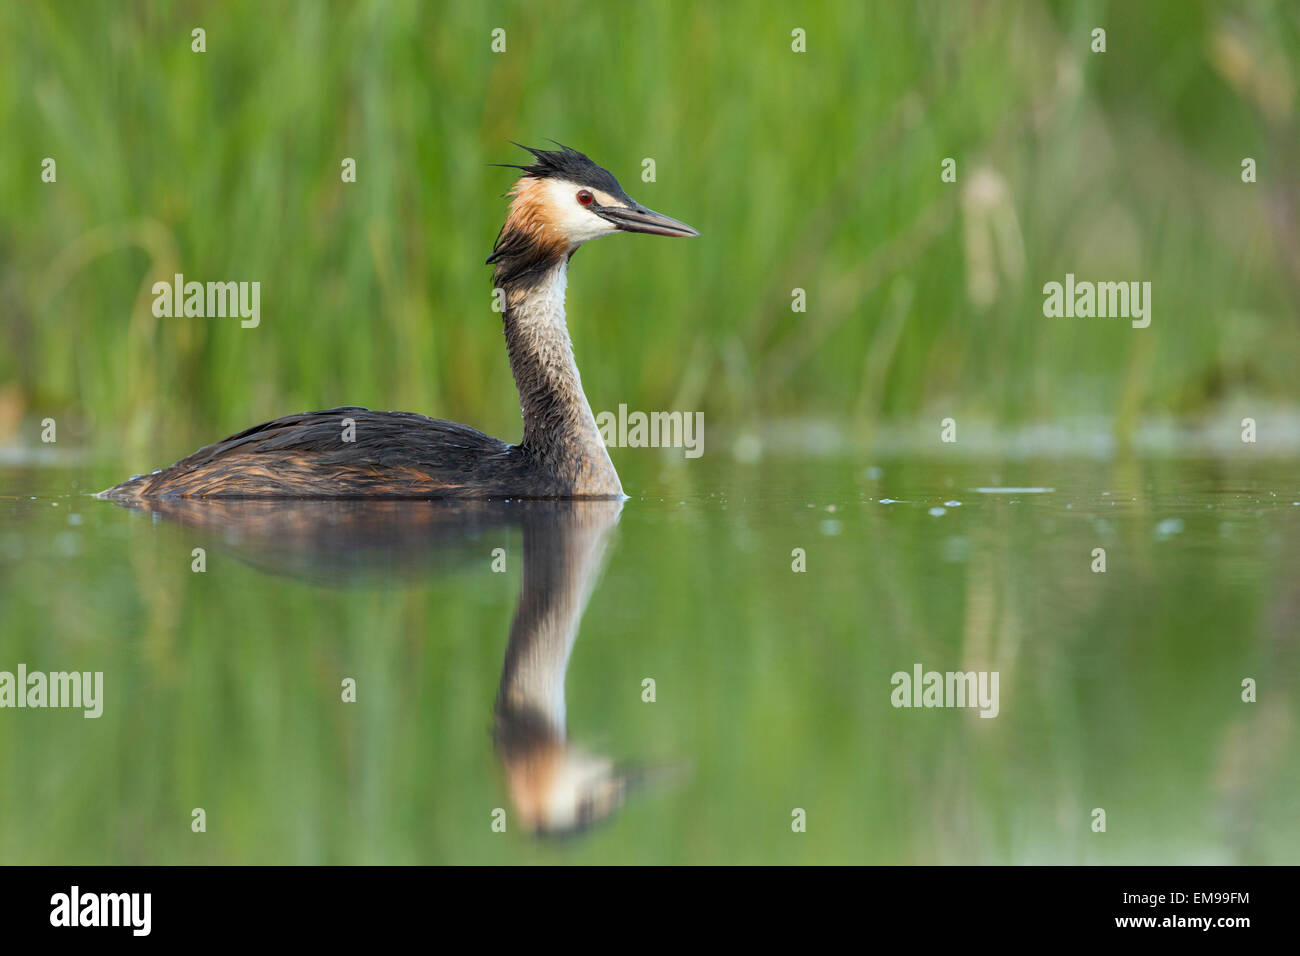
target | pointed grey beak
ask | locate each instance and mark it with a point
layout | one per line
(637, 218)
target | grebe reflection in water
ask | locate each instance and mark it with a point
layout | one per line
(556, 786)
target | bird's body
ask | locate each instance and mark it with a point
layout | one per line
(562, 201)
(304, 456)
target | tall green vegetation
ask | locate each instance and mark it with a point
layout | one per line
(817, 170)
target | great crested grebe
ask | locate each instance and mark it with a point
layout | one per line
(562, 200)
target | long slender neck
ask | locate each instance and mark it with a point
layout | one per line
(559, 429)
(563, 549)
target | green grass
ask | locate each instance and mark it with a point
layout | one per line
(817, 170)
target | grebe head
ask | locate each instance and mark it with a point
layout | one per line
(563, 200)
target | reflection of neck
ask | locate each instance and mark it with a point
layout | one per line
(559, 428)
(562, 552)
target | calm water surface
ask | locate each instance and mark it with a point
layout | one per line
(518, 695)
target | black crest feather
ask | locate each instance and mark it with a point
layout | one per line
(567, 163)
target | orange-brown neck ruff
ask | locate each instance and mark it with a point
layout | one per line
(530, 243)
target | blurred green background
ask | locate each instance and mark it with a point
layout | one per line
(816, 170)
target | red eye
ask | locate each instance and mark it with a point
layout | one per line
(585, 197)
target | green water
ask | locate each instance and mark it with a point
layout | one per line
(772, 688)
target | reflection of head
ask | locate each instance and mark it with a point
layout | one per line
(556, 787)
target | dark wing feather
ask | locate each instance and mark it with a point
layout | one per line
(394, 454)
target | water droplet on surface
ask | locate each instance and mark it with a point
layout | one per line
(1168, 528)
